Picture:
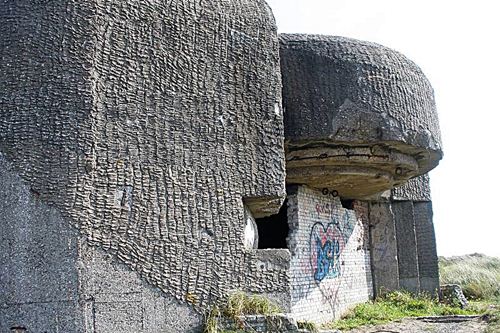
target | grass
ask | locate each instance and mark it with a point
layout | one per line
(238, 304)
(491, 313)
(479, 277)
(307, 325)
(394, 306)
(477, 274)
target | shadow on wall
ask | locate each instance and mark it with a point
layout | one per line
(273, 230)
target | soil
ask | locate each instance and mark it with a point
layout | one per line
(428, 325)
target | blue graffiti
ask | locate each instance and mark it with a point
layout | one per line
(327, 259)
(327, 242)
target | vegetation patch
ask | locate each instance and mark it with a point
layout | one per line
(477, 274)
(394, 306)
(238, 304)
(307, 325)
(479, 277)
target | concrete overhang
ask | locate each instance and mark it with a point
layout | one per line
(359, 117)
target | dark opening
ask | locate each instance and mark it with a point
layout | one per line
(18, 329)
(273, 230)
(347, 203)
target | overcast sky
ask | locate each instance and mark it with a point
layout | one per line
(456, 43)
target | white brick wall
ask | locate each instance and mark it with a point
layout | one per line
(330, 265)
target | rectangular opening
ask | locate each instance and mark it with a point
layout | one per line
(273, 230)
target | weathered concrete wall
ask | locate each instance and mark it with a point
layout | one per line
(416, 189)
(141, 140)
(39, 286)
(428, 268)
(354, 91)
(407, 258)
(117, 300)
(407, 246)
(146, 125)
(330, 265)
(383, 246)
(51, 280)
(360, 118)
(417, 193)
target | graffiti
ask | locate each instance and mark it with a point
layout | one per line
(325, 208)
(327, 241)
(327, 258)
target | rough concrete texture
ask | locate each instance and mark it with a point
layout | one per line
(147, 125)
(356, 109)
(384, 250)
(260, 323)
(38, 271)
(330, 266)
(407, 246)
(416, 189)
(403, 245)
(417, 192)
(140, 140)
(118, 300)
(428, 268)
(51, 280)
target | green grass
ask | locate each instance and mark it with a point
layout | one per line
(491, 313)
(239, 304)
(307, 325)
(477, 274)
(395, 306)
(479, 277)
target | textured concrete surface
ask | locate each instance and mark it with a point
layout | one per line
(348, 90)
(403, 242)
(258, 323)
(428, 268)
(384, 250)
(360, 117)
(416, 189)
(407, 246)
(51, 280)
(147, 125)
(140, 141)
(39, 284)
(417, 194)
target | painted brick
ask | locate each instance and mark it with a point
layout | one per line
(319, 223)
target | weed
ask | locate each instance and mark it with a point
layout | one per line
(238, 304)
(394, 306)
(479, 277)
(307, 325)
(477, 274)
(212, 321)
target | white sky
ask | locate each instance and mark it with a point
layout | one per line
(457, 45)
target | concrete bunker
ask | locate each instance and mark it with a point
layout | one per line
(156, 202)
(360, 128)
